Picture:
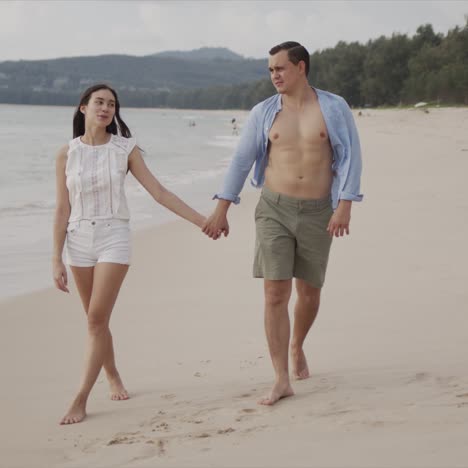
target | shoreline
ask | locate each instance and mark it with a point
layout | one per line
(139, 228)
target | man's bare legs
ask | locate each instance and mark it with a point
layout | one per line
(305, 312)
(106, 282)
(84, 283)
(277, 328)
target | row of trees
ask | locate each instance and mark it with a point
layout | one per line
(399, 69)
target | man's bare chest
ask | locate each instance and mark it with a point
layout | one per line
(301, 129)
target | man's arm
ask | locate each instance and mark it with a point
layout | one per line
(237, 173)
(339, 222)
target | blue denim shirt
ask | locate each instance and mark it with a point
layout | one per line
(253, 148)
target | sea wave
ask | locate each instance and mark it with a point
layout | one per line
(191, 177)
(27, 207)
(224, 141)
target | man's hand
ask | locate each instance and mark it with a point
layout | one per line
(339, 222)
(216, 225)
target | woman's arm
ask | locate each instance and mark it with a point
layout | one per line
(62, 213)
(163, 196)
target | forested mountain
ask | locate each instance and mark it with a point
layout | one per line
(205, 53)
(391, 71)
(56, 81)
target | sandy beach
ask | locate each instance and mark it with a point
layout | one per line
(388, 353)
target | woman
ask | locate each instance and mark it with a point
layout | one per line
(92, 214)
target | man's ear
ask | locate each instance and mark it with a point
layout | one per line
(302, 66)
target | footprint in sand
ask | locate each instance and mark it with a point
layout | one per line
(254, 429)
(154, 447)
(168, 396)
(161, 447)
(419, 377)
(225, 431)
(164, 426)
(130, 438)
(244, 412)
(194, 421)
(463, 403)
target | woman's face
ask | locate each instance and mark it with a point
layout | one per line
(100, 109)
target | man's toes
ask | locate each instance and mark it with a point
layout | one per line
(267, 401)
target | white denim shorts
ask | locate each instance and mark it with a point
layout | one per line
(96, 241)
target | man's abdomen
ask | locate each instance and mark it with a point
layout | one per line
(301, 177)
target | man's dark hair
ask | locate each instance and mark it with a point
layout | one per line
(296, 53)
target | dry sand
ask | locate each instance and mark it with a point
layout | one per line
(388, 353)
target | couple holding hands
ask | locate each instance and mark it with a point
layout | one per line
(305, 148)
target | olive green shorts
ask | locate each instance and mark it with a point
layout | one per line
(292, 239)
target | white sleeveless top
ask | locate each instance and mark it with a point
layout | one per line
(95, 178)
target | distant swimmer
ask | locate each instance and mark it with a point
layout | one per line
(235, 130)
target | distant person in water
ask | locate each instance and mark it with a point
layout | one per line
(92, 216)
(235, 130)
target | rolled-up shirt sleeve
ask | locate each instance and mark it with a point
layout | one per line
(242, 161)
(352, 186)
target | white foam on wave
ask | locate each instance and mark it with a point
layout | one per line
(190, 177)
(21, 209)
(193, 117)
(224, 141)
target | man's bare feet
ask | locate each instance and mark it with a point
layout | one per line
(300, 369)
(117, 390)
(280, 390)
(76, 413)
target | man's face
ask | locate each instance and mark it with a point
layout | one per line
(284, 74)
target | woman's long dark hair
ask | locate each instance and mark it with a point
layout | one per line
(117, 126)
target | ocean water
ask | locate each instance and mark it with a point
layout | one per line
(188, 160)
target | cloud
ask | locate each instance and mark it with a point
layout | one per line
(47, 29)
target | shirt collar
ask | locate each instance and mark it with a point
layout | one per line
(279, 104)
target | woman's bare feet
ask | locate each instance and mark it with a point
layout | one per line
(117, 389)
(299, 364)
(280, 390)
(76, 413)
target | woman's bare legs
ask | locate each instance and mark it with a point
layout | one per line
(105, 284)
(84, 283)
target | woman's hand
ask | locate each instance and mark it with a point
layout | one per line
(59, 271)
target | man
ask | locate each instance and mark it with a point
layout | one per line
(307, 157)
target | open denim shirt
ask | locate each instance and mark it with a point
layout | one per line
(253, 148)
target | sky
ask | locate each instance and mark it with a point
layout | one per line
(36, 29)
